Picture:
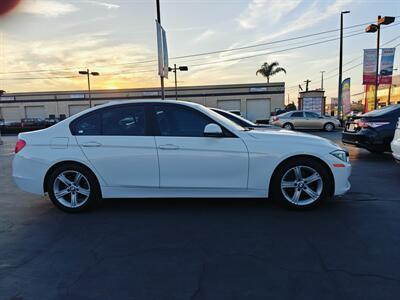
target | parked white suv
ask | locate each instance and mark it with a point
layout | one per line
(174, 149)
(396, 143)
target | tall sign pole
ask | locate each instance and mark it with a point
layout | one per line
(161, 76)
(341, 64)
(378, 37)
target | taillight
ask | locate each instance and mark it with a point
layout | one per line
(372, 124)
(19, 145)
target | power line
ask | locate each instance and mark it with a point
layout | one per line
(197, 54)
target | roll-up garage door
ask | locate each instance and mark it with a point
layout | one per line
(258, 109)
(11, 113)
(229, 105)
(74, 109)
(35, 112)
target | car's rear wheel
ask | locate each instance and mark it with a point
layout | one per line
(288, 126)
(329, 127)
(73, 188)
(301, 183)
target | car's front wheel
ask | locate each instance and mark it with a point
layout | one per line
(72, 188)
(301, 183)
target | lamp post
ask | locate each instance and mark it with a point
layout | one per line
(341, 65)
(88, 73)
(175, 69)
(377, 28)
(159, 21)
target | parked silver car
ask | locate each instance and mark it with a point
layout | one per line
(304, 120)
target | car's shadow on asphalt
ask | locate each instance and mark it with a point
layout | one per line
(224, 205)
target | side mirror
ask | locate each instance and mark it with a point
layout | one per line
(213, 130)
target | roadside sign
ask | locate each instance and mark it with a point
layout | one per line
(369, 66)
(162, 49)
(387, 60)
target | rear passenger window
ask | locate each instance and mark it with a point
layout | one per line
(126, 120)
(297, 115)
(88, 125)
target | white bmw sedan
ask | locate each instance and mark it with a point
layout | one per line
(143, 149)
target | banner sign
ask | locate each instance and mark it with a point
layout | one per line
(346, 96)
(313, 104)
(369, 66)
(369, 97)
(162, 50)
(387, 60)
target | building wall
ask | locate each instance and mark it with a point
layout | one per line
(20, 105)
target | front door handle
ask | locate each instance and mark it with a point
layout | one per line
(91, 144)
(168, 147)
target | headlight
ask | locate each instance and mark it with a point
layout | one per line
(341, 154)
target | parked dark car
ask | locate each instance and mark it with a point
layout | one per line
(32, 123)
(239, 120)
(374, 130)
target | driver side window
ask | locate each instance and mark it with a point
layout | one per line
(176, 120)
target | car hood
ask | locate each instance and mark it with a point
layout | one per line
(289, 136)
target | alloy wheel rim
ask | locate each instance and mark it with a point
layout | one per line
(301, 185)
(288, 127)
(71, 189)
(329, 127)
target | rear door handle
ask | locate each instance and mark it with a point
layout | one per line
(168, 147)
(91, 144)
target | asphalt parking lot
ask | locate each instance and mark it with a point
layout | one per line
(348, 248)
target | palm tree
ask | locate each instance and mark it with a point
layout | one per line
(267, 70)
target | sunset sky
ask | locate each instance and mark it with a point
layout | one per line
(44, 43)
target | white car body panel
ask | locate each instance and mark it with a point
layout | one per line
(395, 145)
(191, 162)
(112, 158)
(136, 167)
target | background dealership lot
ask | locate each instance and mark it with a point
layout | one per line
(205, 249)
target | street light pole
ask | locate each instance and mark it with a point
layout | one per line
(378, 37)
(341, 65)
(377, 28)
(175, 69)
(90, 92)
(161, 76)
(88, 73)
(322, 80)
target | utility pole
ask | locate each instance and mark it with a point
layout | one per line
(161, 76)
(322, 80)
(307, 82)
(341, 65)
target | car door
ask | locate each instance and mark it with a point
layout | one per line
(313, 120)
(298, 120)
(116, 142)
(188, 159)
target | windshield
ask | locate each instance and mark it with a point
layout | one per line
(382, 111)
(235, 118)
(224, 119)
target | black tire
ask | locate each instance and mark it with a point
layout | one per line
(329, 127)
(376, 151)
(90, 181)
(288, 126)
(306, 162)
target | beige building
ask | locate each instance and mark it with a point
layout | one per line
(254, 101)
